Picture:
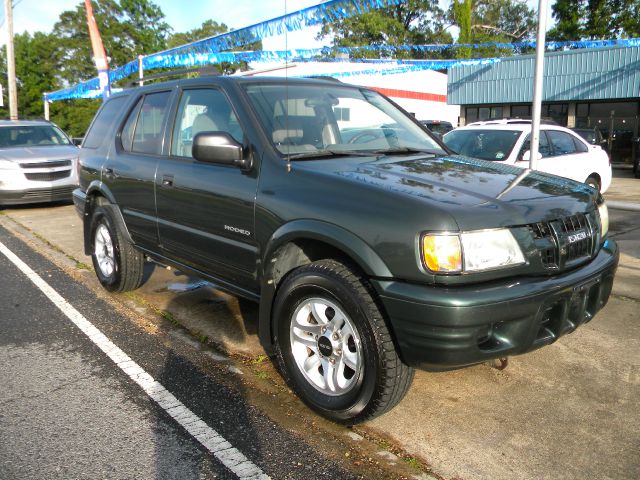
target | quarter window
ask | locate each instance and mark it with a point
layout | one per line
(107, 114)
(147, 137)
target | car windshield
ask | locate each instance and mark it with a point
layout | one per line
(320, 121)
(31, 136)
(588, 135)
(484, 144)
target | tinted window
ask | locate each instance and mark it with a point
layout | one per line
(483, 144)
(543, 145)
(147, 137)
(561, 142)
(580, 146)
(127, 132)
(103, 121)
(202, 110)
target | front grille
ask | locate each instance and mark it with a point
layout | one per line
(49, 194)
(55, 163)
(565, 242)
(47, 176)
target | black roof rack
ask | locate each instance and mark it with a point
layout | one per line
(202, 72)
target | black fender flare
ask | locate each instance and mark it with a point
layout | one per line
(345, 241)
(97, 188)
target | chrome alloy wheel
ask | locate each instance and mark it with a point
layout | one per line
(103, 250)
(325, 346)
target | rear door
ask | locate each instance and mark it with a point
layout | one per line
(205, 210)
(131, 168)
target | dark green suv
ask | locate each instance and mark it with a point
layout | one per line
(369, 248)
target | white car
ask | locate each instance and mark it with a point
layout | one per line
(38, 163)
(561, 152)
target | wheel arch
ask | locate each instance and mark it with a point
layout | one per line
(302, 242)
(98, 194)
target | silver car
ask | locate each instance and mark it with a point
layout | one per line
(38, 162)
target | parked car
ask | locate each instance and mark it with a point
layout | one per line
(439, 127)
(591, 135)
(561, 152)
(370, 254)
(38, 162)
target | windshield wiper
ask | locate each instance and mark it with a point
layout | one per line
(408, 150)
(330, 153)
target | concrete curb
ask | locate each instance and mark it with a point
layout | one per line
(632, 207)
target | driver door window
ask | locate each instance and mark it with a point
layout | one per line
(202, 110)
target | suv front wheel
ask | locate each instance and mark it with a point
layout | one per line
(118, 265)
(333, 346)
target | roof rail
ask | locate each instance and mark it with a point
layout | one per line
(202, 72)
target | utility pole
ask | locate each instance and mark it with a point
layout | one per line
(11, 62)
(537, 85)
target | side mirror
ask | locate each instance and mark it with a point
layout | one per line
(219, 148)
(526, 156)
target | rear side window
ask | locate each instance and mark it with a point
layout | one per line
(103, 121)
(147, 136)
(126, 138)
(562, 142)
(580, 146)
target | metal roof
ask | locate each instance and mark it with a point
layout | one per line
(594, 74)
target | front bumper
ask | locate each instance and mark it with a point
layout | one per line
(79, 200)
(440, 328)
(36, 195)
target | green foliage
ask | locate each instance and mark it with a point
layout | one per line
(414, 22)
(595, 19)
(492, 21)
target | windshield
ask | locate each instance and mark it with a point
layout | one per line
(313, 121)
(32, 136)
(482, 144)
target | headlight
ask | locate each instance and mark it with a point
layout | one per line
(7, 165)
(603, 211)
(470, 251)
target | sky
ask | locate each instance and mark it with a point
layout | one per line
(182, 15)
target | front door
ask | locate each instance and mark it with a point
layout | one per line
(205, 210)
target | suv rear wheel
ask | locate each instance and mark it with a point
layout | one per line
(333, 345)
(118, 265)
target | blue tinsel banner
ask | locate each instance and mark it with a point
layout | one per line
(208, 51)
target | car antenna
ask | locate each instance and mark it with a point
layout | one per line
(286, 86)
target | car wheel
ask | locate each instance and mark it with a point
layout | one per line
(593, 182)
(118, 265)
(333, 346)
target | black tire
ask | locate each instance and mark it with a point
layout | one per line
(593, 182)
(128, 263)
(382, 381)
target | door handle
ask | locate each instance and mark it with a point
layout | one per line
(167, 181)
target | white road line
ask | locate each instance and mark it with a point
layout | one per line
(226, 453)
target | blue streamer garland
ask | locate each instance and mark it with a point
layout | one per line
(210, 50)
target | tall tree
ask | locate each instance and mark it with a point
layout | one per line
(492, 21)
(413, 22)
(595, 19)
(128, 28)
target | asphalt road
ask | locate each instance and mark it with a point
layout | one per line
(68, 411)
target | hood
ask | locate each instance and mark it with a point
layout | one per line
(39, 153)
(477, 194)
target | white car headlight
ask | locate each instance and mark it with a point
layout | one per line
(603, 211)
(470, 251)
